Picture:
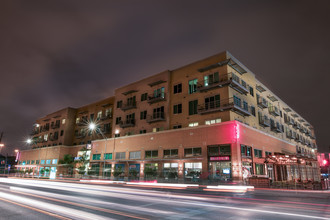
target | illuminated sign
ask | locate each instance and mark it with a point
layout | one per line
(222, 158)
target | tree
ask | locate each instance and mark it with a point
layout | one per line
(68, 162)
(83, 161)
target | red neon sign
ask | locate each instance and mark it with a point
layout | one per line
(219, 158)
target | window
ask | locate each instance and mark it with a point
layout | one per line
(37, 161)
(119, 104)
(159, 92)
(27, 162)
(217, 150)
(267, 153)
(171, 153)
(212, 102)
(177, 88)
(158, 113)
(120, 155)
(157, 129)
(192, 86)
(48, 161)
(91, 118)
(135, 155)
(63, 121)
(210, 79)
(177, 126)
(131, 101)
(245, 106)
(213, 121)
(177, 109)
(246, 151)
(118, 119)
(99, 115)
(257, 153)
(143, 115)
(237, 101)
(251, 91)
(108, 156)
(259, 169)
(190, 152)
(193, 124)
(130, 118)
(253, 110)
(96, 157)
(193, 107)
(32, 161)
(143, 131)
(151, 154)
(54, 161)
(144, 96)
(108, 112)
(62, 132)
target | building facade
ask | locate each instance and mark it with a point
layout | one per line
(212, 119)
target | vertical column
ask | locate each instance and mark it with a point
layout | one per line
(180, 172)
(237, 173)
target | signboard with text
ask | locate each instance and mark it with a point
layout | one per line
(220, 158)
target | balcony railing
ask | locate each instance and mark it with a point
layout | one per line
(156, 117)
(106, 131)
(157, 98)
(80, 136)
(127, 123)
(55, 126)
(224, 105)
(264, 121)
(273, 110)
(128, 106)
(226, 79)
(106, 117)
(262, 102)
(289, 135)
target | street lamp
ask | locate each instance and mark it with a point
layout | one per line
(1, 146)
(92, 127)
(30, 141)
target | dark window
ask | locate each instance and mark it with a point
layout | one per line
(219, 150)
(118, 119)
(171, 153)
(253, 110)
(251, 91)
(177, 88)
(267, 153)
(131, 101)
(120, 155)
(177, 126)
(177, 109)
(119, 104)
(62, 132)
(257, 153)
(143, 115)
(151, 154)
(91, 117)
(144, 96)
(193, 107)
(259, 169)
(143, 131)
(212, 102)
(190, 152)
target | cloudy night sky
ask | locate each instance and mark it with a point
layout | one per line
(55, 54)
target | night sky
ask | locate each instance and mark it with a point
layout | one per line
(55, 54)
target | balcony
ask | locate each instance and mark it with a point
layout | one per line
(128, 106)
(224, 105)
(262, 102)
(264, 121)
(226, 79)
(106, 131)
(157, 98)
(106, 117)
(34, 132)
(127, 123)
(273, 110)
(81, 124)
(156, 117)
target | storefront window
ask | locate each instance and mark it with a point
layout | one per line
(259, 169)
(192, 171)
(134, 171)
(150, 170)
(220, 171)
(170, 171)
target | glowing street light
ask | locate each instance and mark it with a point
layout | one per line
(29, 141)
(92, 126)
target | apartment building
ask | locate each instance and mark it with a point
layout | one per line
(217, 101)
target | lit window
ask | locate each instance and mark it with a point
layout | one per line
(54, 161)
(193, 124)
(63, 121)
(213, 121)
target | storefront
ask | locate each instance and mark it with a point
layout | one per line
(134, 171)
(219, 161)
(192, 171)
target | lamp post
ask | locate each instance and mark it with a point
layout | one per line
(30, 141)
(114, 144)
(92, 127)
(4, 170)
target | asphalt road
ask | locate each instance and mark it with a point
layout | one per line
(33, 199)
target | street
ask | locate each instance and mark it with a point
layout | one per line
(41, 199)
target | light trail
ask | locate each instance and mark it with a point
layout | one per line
(71, 213)
(35, 209)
